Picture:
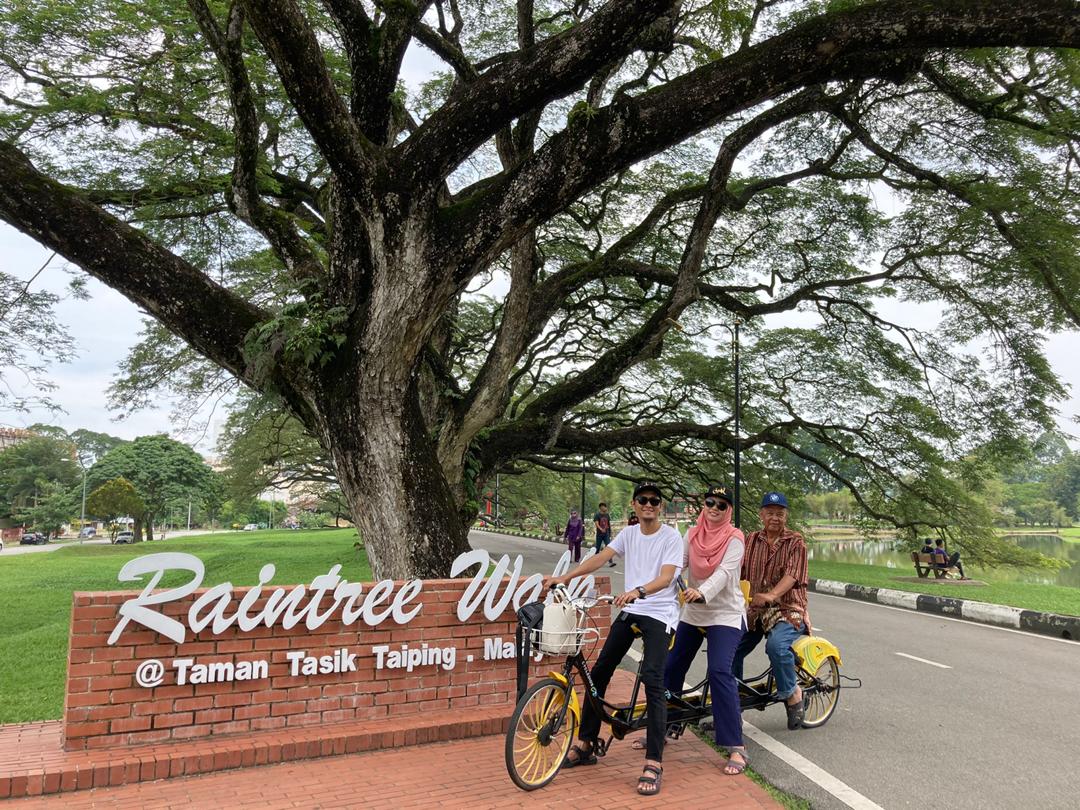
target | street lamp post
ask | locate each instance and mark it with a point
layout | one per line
(582, 513)
(496, 500)
(734, 330)
(738, 435)
(82, 518)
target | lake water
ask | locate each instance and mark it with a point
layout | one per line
(891, 554)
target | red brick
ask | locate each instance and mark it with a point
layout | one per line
(85, 729)
(214, 716)
(108, 712)
(106, 682)
(129, 724)
(173, 719)
(248, 712)
(287, 707)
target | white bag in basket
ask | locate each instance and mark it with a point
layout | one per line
(559, 635)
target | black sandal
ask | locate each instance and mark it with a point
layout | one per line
(650, 781)
(795, 712)
(583, 757)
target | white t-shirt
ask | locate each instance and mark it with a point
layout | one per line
(644, 555)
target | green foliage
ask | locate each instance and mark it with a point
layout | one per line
(896, 258)
(114, 499)
(30, 340)
(161, 470)
(53, 507)
(32, 468)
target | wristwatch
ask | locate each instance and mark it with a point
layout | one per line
(641, 591)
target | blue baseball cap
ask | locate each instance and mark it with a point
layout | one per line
(774, 499)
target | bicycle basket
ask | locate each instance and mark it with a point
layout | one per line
(561, 633)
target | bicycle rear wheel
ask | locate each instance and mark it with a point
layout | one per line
(537, 742)
(821, 693)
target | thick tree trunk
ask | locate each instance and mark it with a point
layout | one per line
(401, 503)
(367, 404)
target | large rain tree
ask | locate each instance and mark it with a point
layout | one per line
(616, 178)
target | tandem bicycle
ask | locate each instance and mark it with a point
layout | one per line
(548, 713)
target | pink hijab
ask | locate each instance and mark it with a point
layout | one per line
(709, 542)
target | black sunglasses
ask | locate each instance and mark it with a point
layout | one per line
(713, 503)
(646, 501)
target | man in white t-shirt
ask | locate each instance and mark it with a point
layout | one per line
(653, 555)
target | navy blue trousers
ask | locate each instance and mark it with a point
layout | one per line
(727, 717)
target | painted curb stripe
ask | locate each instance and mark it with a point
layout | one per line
(991, 614)
(1032, 621)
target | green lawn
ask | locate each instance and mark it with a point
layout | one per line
(1051, 598)
(35, 597)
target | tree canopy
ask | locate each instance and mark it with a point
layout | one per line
(160, 469)
(116, 498)
(529, 258)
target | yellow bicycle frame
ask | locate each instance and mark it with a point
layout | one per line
(574, 708)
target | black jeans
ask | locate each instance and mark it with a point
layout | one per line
(656, 638)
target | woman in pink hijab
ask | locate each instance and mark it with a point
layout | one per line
(715, 610)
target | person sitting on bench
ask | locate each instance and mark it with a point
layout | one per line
(944, 560)
(927, 546)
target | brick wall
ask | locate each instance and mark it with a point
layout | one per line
(105, 706)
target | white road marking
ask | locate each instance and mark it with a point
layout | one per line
(815, 773)
(923, 660)
(935, 616)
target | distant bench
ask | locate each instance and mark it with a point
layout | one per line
(924, 565)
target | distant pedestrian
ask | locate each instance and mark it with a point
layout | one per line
(575, 533)
(633, 521)
(944, 560)
(602, 523)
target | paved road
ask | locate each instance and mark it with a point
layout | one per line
(998, 728)
(13, 549)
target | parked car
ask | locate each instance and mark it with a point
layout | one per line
(125, 537)
(88, 531)
(33, 539)
(251, 527)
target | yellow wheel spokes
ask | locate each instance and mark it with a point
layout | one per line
(534, 763)
(824, 693)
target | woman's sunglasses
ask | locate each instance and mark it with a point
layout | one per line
(645, 501)
(712, 503)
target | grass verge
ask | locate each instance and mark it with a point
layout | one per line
(35, 597)
(788, 801)
(1031, 596)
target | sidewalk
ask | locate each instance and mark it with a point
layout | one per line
(463, 773)
(460, 773)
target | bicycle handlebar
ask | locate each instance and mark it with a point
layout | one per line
(562, 594)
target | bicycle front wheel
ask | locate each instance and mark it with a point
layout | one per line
(822, 693)
(540, 733)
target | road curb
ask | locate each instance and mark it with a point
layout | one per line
(1032, 621)
(512, 533)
